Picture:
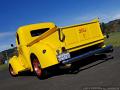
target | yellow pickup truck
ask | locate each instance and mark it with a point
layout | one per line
(43, 45)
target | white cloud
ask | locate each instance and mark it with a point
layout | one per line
(4, 47)
(6, 38)
(6, 34)
(102, 17)
(107, 18)
(117, 16)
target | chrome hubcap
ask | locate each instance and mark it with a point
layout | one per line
(37, 68)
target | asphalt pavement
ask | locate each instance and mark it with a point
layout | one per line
(95, 73)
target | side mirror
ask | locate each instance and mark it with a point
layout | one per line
(12, 45)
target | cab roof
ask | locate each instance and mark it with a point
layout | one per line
(30, 27)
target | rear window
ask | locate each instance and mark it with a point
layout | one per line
(38, 32)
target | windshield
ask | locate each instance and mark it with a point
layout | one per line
(38, 32)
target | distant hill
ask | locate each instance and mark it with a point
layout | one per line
(111, 26)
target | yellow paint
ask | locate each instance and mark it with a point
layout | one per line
(16, 64)
(76, 37)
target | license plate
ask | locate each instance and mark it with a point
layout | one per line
(63, 56)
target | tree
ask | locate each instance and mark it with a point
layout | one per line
(103, 27)
(1, 59)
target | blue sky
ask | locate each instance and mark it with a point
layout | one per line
(15, 13)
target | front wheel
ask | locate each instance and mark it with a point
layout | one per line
(40, 73)
(11, 71)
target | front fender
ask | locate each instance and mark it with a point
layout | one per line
(15, 63)
(45, 54)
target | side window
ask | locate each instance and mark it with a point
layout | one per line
(18, 39)
(38, 32)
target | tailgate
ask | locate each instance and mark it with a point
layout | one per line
(82, 34)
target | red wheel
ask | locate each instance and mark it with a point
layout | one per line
(12, 73)
(36, 67)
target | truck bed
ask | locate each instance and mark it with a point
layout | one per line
(82, 35)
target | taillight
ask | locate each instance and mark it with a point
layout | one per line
(101, 44)
(63, 49)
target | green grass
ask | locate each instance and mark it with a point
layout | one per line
(3, 67)
(114, 39)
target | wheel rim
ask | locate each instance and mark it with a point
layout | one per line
(37, 67)
(12, 71)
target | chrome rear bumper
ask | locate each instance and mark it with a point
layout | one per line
(106, 49)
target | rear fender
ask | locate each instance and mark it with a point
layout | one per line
(45, 54)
